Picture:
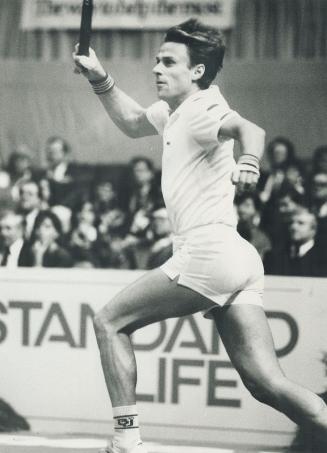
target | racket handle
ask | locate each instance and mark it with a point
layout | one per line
(85, 28)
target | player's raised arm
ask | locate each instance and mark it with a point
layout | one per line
(252, 140)
(124, 111)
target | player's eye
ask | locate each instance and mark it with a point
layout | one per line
(168, 62)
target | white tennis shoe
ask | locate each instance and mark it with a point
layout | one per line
(139, 448)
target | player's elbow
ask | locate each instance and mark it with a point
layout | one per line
(253, 133)
(131, 133)
(255, 130)
(261, 133)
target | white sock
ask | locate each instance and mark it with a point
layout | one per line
(127, 431)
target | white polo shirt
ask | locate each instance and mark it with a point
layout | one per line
(196, 166)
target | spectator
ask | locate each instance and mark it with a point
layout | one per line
(145, 195)
(60, 172)
(303, 256)
(276, 225)
(113, 248)
(29, 204)
(281, 154)
(319, 203)
(319, 160)
(64, 214)
(57, 155)
(14, 248)
(45, 193)
(20, 169)
(249, 216)
(45, 248)
(105, 197)
(295, 178)
(162, 247)
(5, 189)
(84, 232)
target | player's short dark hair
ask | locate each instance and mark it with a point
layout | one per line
(205, 44)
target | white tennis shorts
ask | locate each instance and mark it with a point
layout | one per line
(218, 263)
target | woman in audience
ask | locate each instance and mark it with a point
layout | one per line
(280, 154)
(45, 249)
(84, 232)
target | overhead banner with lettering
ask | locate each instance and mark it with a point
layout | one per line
(126, 14)
(51, 370)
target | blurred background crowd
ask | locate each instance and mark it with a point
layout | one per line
(70, 215)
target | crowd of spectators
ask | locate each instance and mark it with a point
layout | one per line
(52, 217)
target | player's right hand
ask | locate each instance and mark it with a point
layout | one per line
(89, 66)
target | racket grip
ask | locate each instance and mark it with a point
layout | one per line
(85, 28)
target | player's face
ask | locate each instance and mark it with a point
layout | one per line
(174, 74)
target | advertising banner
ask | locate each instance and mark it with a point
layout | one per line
(51, 371)
(126, 14)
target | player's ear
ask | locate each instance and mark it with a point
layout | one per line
(198, 71)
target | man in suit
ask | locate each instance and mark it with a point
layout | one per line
(60, 171)
(302, 256)
(12, 239)
(29, 205)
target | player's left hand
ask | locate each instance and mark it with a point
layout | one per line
(244, 179)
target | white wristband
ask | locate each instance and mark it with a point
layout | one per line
(103, 85)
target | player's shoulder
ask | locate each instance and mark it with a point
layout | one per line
(159, 107)
(207, 103)
(205, 114)
(158, 114)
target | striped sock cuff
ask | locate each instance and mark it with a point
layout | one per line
(125, 417)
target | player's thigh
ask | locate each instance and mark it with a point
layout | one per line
(151, 298)
(246, 335)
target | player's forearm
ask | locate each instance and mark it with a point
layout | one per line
(251, 138)
(126, 113)
(123, 110)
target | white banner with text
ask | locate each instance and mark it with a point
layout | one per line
(126, 14)
(50, 366)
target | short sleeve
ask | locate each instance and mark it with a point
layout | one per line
(205, 124)
(158, 115)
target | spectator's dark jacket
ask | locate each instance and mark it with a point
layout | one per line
(59, 257)
(312, 264)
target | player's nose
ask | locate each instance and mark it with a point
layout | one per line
(157, 69)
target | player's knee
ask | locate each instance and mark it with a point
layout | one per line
(266, 389)
(104, 325)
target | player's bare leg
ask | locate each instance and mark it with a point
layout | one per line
(247, 337)
(152, 298)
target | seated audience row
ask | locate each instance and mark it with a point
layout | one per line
(54, 217)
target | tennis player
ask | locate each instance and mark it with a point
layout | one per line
(212, 269)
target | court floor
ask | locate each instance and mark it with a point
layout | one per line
(16, 443)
